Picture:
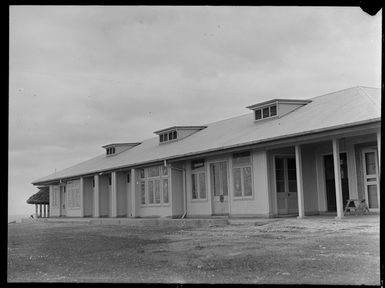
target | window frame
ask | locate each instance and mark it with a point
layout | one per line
(146, 179)
(241, 166)
(195, 172)
(261, 109)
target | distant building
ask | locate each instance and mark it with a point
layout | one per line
(282, 158)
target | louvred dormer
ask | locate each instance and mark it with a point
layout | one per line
(176, 133)
(116, 148)
(276, 108)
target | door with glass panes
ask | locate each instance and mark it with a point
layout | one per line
(286, 185)
(371, 179)
(219, 188)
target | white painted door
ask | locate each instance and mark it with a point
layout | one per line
(219, 188)
(63, 202)
(286, 185)
(371, 183)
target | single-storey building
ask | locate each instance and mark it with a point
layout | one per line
(284, 157)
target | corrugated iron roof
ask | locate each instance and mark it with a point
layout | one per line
(346, 107)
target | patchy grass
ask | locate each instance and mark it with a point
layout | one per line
(314, 250)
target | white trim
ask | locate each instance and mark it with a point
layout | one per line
(377, 182)
(228, 184)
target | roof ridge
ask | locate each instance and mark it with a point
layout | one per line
(369, 97)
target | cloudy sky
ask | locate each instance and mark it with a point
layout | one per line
(84, 76)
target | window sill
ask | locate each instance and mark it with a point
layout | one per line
(199, 200)
(243, 198)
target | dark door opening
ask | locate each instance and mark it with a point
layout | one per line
(330, 183)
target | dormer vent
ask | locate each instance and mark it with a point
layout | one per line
(116, 148)
(275, 108)
(176, 133)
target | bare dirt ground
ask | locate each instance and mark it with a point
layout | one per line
(315, 250)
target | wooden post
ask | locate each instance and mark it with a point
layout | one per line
(379, 152)
(96, 196)
(298, 164)
(81, 196)
(337, 178)
(134, 211)
(114, 189)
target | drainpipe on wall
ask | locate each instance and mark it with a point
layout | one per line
(185, 193)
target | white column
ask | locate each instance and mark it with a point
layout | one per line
(134, 211)
(81, 191)
(96, 196)
(379, 151)
(113, 202)
(298, 166)
(337, 178)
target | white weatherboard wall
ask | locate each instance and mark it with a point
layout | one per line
(121, 186)
(54, 210)
(104, 196)
(177, 191)
(258, 205)
(197, 207)
(73, 187)
(309, 176)
(88, 197)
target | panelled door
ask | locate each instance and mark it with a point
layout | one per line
(286, 185)
(219, 188)
(63, 211)
(371, 183)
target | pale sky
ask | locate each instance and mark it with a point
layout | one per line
(85, 76)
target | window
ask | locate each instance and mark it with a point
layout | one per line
(273, 110)
(172, 135)
(150, 189)
(153, 171)
(265, 112)
(154, 185)
(242, 174)
(198, 185)
(157, 191)
(143, 192)
(110, 150)
(73, 194)
(165, 190)
(55, 196)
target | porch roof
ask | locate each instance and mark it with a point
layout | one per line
(347, 107)
(41, 197)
